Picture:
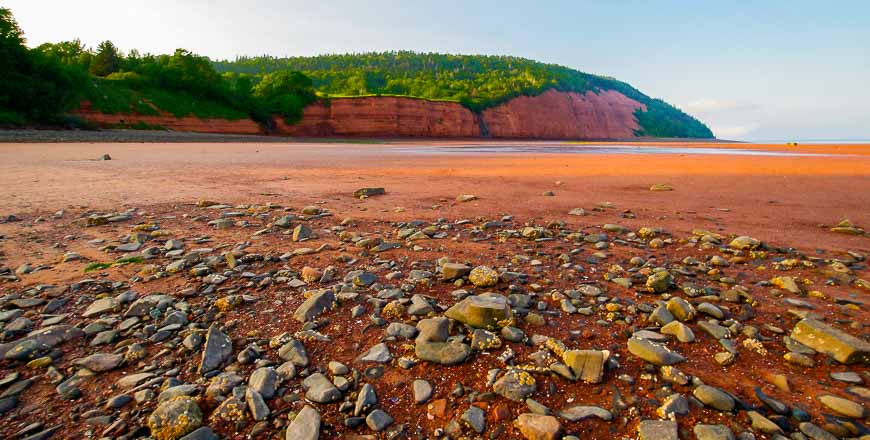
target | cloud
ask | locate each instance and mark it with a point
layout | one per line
(733, 131)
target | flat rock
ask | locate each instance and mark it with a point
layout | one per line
(379, 353)
(444, 353)
(657, 430)
(316, 304)
(844, 407)
(319, 389)
(587, 365)
(653, 353)
(539, 427)
(713, 432)
(422, 391)
(174, 418)
(714, 398)
(487, 311)
(840, 345)
(583, 412)
(100, 362)
(217, 351)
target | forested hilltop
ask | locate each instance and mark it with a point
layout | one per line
(43, 85)
(476, 81)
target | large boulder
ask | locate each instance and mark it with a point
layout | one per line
(488, 311)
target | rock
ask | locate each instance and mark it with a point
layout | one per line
(762, 423)
(484, 340)
(653, 353)
(369, 192)
(578, 212)
(452, 271)
(379, 353)
(217, 351)
(202, 433)
(365, 400)
(319, 389)
(475, 418)
(681, 309)
(100, 306)
(422, 391)
(515, 385)
(265, 381)
(302, 232)
(713, 432)
(256, 405)
(587, 365)
(744, 243)
(488, 311)
(814, 432)
(581, 412)
(444, 353)
(306, 425)
(714, 398)
(316, 304)
(539, 427)
(788, 284)
(100, 362)
(294, 352)
(681, 331)
(174, 418)
(433, 329)
(659, 282)
(378, 420)
(675, 404)
(661, 187)
(483, 277)
(466, 198)
(823, 338)
(844, 407)
(419, 306)
(657, 430)
(398, 329)
(285, 222)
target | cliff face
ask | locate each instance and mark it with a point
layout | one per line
(551, 115)
(384, 116)
(170, 122)
(557, 115)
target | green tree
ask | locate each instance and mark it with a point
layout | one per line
(107, 60)
(285, 93)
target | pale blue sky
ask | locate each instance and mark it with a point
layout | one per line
(749, 69)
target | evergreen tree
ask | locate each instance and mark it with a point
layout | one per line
(107, 59)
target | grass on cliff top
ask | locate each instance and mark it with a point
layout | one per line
(114, 97)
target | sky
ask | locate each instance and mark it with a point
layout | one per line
(751, 70)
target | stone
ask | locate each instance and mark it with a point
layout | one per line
(823, 338)
(815, 432)
(305, 426)
(483, 277)
(256, 405)
(100, 362)
(466, 198)
(762, 423)
(369, 192)
(713, 432)
(398, 329)
(653, 353)
(365, 400)
(217, 351)
(515, 385)
(657, 430)
(582, 412)
(659, 282)
(681, 309)
(265, 381)
(539, 427)
(486, 311)
(302, 232)
(714, 398)
(201, 433)
(174, 418)
(675, 404)
(293, 351)
(661, 187)
(788, 284)
(100, 306)
(681, 331)
(475, 418)
(744, 243)
(587, 365)
(444, 353)
(844, 407)
(316, 304)
(484, 340)
(319, 389)
(378, 420)
(452, 271)
(379, 353)
(422, 391)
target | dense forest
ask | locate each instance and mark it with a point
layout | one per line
(476, 81)
(43, 84)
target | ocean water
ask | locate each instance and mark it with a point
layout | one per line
(599, 149)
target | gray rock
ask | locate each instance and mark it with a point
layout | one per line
(100, 362)
(306, 425)
(319, 389)
(844, 407)
(444, 353)
(256, 405)
(422, 391)
(653, 353)
(583, 412)
(293, 351)
(815, 432)
(398, 329)
(378, 420)
(201, 433)
(265, 381)
(175, 418)
(713, 432)
(365, 400)
(488, 311)
(100, 306)
(762, 423)
(217, 351)
(452, 271)
(316, 304)
(714, 398)
(515, 385)
(379, 353)
(475, 418)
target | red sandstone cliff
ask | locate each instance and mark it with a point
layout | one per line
(551, 115)
(384, 116)
(558, 115)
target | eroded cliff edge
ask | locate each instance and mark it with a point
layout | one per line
(606, 114)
